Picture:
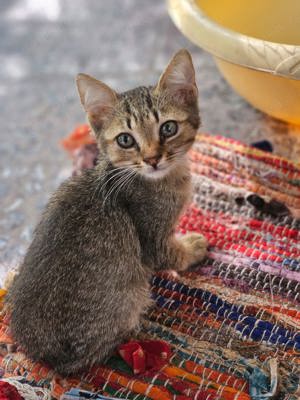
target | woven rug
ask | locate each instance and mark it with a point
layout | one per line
(233, 324)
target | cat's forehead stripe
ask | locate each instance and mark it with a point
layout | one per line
(133, 114)
(127, 107)
(156, 116)
(128, 123)
(149, 100)
(139, 105)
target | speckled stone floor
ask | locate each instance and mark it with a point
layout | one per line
(125, 43)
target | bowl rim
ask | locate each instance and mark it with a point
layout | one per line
(275, 58)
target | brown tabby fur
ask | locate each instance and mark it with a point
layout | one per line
(83, 284)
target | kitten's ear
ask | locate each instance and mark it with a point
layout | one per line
(179, 78)
(97, 99)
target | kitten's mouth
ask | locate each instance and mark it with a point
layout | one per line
(156, 173)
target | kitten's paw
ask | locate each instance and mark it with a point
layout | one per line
(196, 247)
(171, 273)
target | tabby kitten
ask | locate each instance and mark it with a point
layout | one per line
(84, 282)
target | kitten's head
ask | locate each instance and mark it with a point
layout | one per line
(147, 129)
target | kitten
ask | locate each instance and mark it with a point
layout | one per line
(84, 282)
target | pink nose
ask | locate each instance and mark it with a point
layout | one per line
(153, 161)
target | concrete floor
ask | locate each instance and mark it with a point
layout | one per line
(125, 43)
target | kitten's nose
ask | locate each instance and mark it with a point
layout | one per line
(153, 161)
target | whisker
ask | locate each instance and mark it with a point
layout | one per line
(121, 174)
(123, 184)
(113, 187)
(116, 184)
(116, 171)
(176, 157)
(103, 184)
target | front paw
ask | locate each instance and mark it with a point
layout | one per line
(196, 247)
(171, 273)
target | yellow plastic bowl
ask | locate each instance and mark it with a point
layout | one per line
(256, 45)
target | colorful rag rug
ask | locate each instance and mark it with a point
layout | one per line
(233, 324)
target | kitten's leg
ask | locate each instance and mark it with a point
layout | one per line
(172, 274)
(195, 246)
(181, 253)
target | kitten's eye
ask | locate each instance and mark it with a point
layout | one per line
(125, 140)
(168, 129)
